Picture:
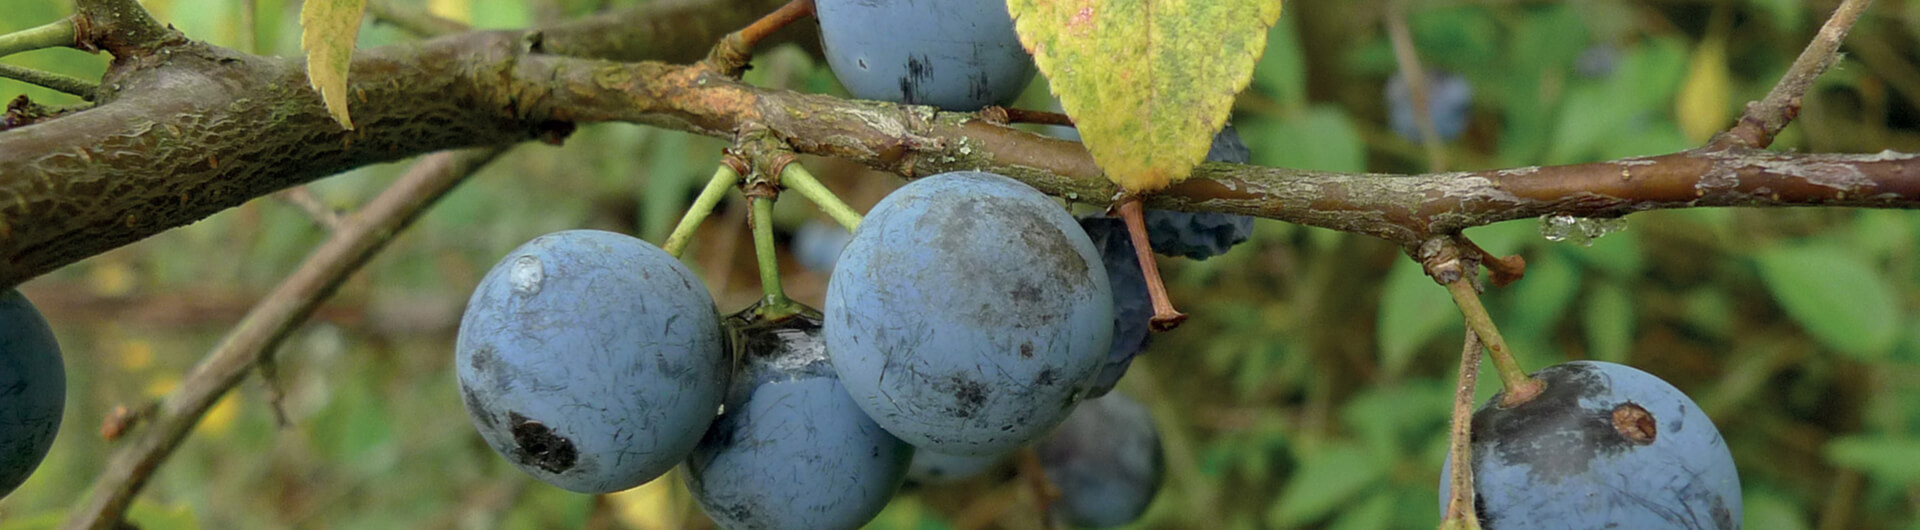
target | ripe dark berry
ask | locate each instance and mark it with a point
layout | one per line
(591, 360)
(956, 55)
(33, 390)
(1604, 446)
(969, 313)
(792, 449)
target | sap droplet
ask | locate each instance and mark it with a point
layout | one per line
(1581, 230)
(526, 275)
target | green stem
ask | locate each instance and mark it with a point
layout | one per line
(1520, 387)
(774, 303)
(797, 178)
(723, 178)
(71, 85)
(57, 34)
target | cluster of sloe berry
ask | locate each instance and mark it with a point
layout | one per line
(968, 316)
(596, 362)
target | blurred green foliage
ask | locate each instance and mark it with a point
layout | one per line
(1309, 390)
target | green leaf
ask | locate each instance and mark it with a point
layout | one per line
(153, 515)
(1412, 310)
(1836, 296)
(1535, 306)
(1159, 73)
(1705, 105)
(1617, 253)
(1321, 138)
(1609, 323)
(1326, 481)
(1375, 513)
(328, 29)
(1283, 68)
(1788, 15)
(1708, 309)
(1885, 458)
(1456, 37)
(1550, 40)
(1766, 510)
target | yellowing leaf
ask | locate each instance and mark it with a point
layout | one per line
(327, 31)
(111, 279)
(219, 418)
(461, 10)
(135, 355)
(1702, 105)
(1147, 82)
(650, 506)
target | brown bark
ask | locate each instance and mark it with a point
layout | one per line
(186, 130)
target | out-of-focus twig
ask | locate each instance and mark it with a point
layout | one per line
(249, 36)
(303, 198)
(1763, 119)
(419, 22)
(267, 325)
(1409, 59)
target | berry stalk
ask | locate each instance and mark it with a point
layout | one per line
(774, 302)
(723, 178)
(56, 34)
(1165, 317)
(1520, 386)
(796, 178)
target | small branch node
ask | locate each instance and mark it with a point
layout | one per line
(995, 114)
(1037, 117)
(123, 419)
(731, 55)
(303, 198)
